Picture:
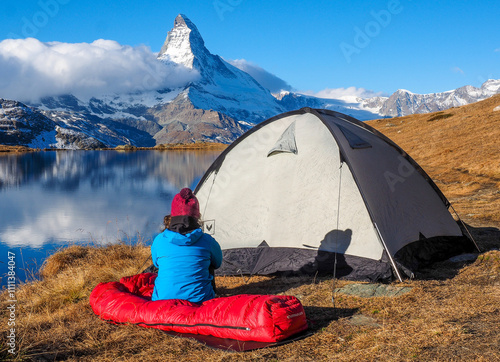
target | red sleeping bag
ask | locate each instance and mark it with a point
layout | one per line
(263, 318)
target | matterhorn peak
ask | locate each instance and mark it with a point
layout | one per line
(182, 20)
(183, 44)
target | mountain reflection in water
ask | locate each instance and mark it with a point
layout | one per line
(51, 199)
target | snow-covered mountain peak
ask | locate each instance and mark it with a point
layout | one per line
(184, 43)
(221, 87)
(491, 85)
(279, 96)
(182, 20)
(402, 91)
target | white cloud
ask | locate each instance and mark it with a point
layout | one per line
(346, 94)
(30, 69)
(457, 70)
(275, 84)
(266, 79)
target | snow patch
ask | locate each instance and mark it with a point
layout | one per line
(44, 140)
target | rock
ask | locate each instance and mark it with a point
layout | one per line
(372, 290)
(363, 320)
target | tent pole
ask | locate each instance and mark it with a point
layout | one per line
(466, 228)
(337, 238)
(210, 191)
(388, 253)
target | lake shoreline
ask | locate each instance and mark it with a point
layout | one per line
(197, 146)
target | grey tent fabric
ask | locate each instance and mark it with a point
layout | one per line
(286, 142)
(347, 193)
(354, 140)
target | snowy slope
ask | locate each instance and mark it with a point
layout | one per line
(22, 125)
(354, 108)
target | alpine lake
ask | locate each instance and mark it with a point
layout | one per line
(52, 199)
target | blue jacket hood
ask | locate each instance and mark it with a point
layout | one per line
(179, 239)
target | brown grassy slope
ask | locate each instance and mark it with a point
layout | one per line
(460, 149)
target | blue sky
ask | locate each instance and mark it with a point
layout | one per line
(423, 46)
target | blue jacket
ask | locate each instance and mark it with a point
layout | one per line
(183, 262)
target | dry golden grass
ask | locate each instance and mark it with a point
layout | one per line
(451, 313)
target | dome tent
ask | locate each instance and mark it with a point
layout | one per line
(310, 187)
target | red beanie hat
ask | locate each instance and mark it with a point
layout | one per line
(185, 204)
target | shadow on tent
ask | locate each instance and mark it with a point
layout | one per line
(330, 252)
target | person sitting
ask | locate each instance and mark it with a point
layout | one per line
(183, 254)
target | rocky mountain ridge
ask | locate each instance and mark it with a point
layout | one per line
(403, 102)
(218, 106)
